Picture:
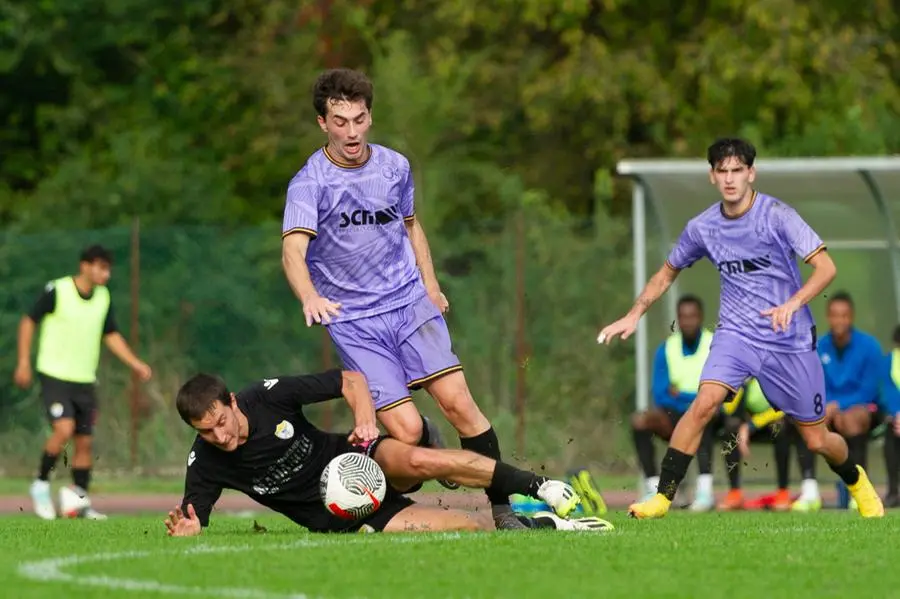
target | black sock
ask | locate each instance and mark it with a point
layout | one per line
(705, 451)
(782, 457)
(892, 461)
(805, 457)
(674, 467)
(847, 471)
(425, 439)
(48, 461)
(508, 480)
(488, 445)
(643, 444)
(81, 477)
(859, 449)
(733, 465)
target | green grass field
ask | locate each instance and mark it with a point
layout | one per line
(754, 555)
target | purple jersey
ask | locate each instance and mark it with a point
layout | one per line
(756, 254)
(360, 254)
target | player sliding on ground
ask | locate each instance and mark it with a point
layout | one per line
(259, 442)
(765, 330)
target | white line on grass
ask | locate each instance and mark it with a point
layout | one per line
(54, 569)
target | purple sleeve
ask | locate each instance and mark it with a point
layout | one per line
(796, 233)
(301, 210)
(407, 197)
(688, 249)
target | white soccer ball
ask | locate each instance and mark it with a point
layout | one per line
(73, 502)
(352, 486)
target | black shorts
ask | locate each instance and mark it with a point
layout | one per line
(63, 399)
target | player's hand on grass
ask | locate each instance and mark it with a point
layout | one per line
(143, 371)
(439, 300)
(363, 433)
(180, 525)
(319, 309)
(22, 375)
(743, 440)
(624, 328)
(781, 315)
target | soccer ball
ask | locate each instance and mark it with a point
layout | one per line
(73, 502)
(352, 486)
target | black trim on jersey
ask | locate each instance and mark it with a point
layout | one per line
(46, 304)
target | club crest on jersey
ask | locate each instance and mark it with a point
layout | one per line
(284, 430)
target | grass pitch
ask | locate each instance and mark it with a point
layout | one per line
(753, 555)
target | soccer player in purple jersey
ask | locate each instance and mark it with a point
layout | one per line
(358, 260)
(765, 328)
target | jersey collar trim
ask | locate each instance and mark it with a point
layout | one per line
(340, 164)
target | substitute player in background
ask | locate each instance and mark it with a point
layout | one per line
(765, 329)
(676, 378)
(74, 313)
(852, 362)
(260, 443)
(890, 402)
(351, 247)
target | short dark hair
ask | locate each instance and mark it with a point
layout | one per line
(198, 396)
(727, 147)
(96, 253)
(840, 296)
(341, 84)
(690, 299)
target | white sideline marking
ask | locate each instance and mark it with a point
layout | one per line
(53, 569)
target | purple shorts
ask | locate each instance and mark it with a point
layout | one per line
(792, 382)
(397, 351)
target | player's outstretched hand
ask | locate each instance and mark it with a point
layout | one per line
(319, 309)
(22, 376)
(624, 328)
(781, 315)
(363, 433)
(179, 525)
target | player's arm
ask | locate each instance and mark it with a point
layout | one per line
(823, 274)
(294, 247)
(45, 304)
(120, 348)
(200, 495)
(293, 260)
(422, 252)
(805, 242)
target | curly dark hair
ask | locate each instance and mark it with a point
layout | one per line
(727, 147)
(341, 84)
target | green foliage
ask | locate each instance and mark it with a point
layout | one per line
(193, 116)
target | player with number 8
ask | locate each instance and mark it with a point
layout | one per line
(765, 329)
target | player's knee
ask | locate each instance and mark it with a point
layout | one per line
(814, 438)
(465, 416)
(705, 407)
(405, 426)
(639, 421)
(63, 430)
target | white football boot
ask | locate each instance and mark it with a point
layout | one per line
(43, 503)
(560, 496)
